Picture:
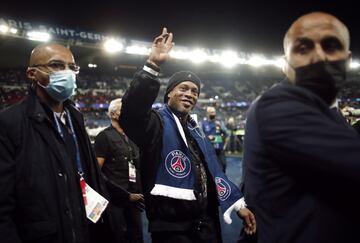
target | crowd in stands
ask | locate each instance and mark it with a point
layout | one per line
(95, 88)
(95, 91)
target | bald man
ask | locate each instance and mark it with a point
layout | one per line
(47, 166)
(301, 161)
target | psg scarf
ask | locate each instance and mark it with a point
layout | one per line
(175, 176)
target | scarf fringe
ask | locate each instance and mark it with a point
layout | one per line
(236, 206)
(173, 192)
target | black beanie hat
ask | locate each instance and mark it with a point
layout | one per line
(180, 77)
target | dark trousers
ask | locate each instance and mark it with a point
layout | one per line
(204, 231)
(134, 227)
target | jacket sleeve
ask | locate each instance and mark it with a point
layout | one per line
(8, 229)
(137, 119)
(118, 195)
(101, 146)
(307, 141)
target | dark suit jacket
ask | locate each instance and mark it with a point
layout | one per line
(301, 168)
(39, 198)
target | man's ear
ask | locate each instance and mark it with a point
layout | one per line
(168, 96)
(30, 73)
(113, 115)
(288, 70)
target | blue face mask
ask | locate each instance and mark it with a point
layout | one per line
(62, 85)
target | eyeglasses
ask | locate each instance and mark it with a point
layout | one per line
(57, 66)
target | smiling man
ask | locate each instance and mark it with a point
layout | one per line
(183, 183)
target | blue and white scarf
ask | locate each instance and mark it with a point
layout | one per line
(175, 176)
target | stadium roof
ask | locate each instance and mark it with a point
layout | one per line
(256, 27)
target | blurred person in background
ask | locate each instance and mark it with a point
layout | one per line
(118, 158)
(216, 134)
(352, 116)
(232, 142)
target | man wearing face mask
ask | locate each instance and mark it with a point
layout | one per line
(216, 134)
(50, 183)
(301, 160)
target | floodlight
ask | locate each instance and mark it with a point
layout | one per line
(257, 61)
(137, 50)
(113, 46)
(4, 28)
(38, 36)
(13, 30)
(198, 56)
(91, 65)
(179, 54)
(354, 65)
(229, 58)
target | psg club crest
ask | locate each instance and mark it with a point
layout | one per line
(223, 188)
(177, 164)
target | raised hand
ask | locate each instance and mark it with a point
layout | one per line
(161, 47)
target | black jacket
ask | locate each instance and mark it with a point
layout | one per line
(40, 199)
(118, 151)
(144, 126)
(301, 168)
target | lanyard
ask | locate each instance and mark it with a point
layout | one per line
(131, 156)
(78, 161)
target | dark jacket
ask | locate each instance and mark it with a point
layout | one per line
(118, 152)
(144, 126)
(40, 199)
(301, 168)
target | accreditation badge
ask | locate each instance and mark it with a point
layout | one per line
(132, 172)
(95, 204)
